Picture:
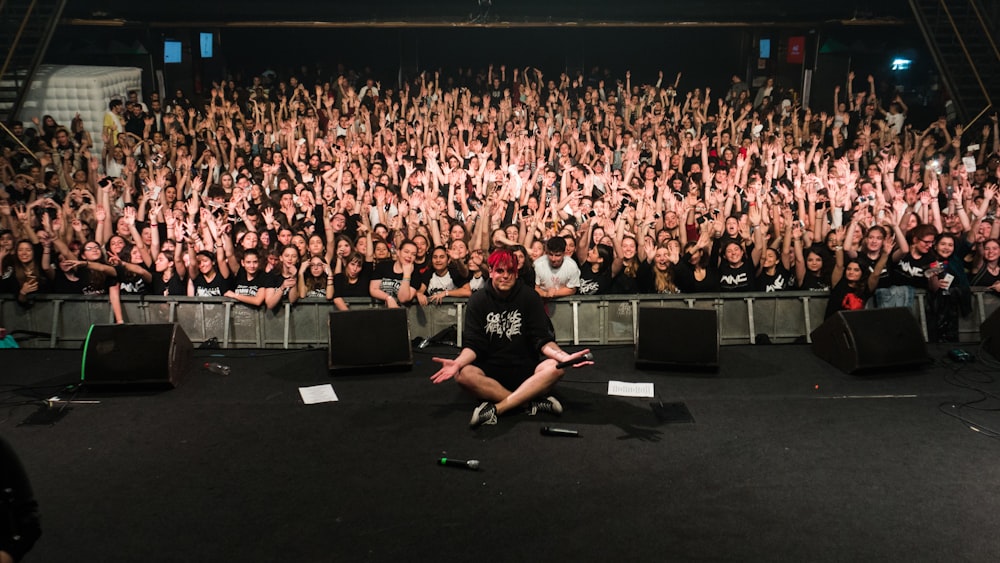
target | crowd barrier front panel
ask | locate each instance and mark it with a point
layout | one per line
(589, 321)
(76, 315)
(160, 312)
(286, 333)
(272, 327)
(425, 322)
(135, 310)
(243, 327)
(309, 323)
(30, 320)
(620, 323)
(780, 320)
(561, 314)
(302, 323)
(202, 320)
(227, 317)
(734, 319)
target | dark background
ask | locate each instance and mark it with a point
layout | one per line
(708, 42)
(497, 10)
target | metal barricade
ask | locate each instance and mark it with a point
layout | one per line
(62, 321)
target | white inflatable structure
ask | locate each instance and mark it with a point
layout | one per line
(64, 91)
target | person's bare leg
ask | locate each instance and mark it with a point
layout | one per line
(545, 377)
(473, 380)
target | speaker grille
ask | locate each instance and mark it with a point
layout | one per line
(369, 338)
(135, 355)
(677, 337)
(856, 341)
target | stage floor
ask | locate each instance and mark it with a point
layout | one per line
(786, 459)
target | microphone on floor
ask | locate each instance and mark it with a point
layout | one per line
(563, 432)
(472, 464)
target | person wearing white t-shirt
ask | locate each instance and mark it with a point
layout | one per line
(896, 116)
(555, 276)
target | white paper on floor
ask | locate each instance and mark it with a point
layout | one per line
(626, 389)
(318, 394)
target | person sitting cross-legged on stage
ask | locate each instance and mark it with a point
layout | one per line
(506, 333)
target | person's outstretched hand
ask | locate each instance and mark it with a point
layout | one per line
(449, 368)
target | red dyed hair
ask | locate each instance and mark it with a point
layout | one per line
(502, 258)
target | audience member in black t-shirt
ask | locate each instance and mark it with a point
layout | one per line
(910, 268)
(853, 284)
(870, 253)
(774, 274)
(205, 278)
(736, 269)
(391, 281)
(251, 285)
(316, 278)
(811, 272)
(695, 271)
(597, 273)
(656, 275)
(351, 282)
(446, 278)
(987, 270)
(133, 276)
(169, 277)
(285, 278)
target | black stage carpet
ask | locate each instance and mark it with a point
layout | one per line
(787, 459)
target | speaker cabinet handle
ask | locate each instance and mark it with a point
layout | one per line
(847, 340)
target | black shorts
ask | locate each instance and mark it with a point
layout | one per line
(511, 376)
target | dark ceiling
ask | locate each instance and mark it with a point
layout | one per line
(490, 12)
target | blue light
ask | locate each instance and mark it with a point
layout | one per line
(206, 40)
(901, 64)
(765, 48)
(171, 51)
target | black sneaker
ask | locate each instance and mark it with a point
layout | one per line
(485, 413)
(549, 404)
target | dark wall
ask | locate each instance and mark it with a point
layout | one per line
(492, 10)
(707, 56)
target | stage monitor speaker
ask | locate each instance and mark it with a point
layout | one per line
(871, 339)
(370, 340)
(989, 334)
(671, 338)
(135, 355)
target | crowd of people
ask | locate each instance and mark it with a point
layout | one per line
(277, 190)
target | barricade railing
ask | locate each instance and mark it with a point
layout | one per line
(62, 321)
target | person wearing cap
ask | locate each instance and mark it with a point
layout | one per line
(506, 333)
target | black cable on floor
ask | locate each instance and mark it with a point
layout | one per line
(958, 377)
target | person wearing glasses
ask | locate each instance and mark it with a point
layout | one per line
(914, 267)
(505, 335)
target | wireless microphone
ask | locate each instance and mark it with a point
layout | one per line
(472, 464)
(589, 356)
(564, 432)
